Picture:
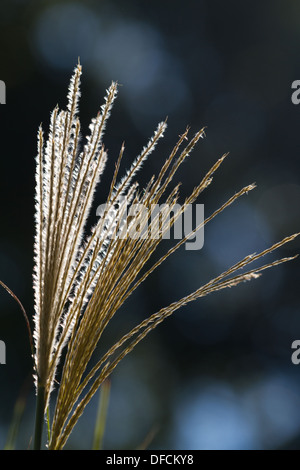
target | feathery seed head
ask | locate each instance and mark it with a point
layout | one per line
(81, 280)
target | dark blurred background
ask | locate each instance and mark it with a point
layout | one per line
(218, 374)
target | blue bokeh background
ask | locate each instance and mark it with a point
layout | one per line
(218, 374)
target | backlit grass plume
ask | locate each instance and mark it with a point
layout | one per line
(81, 280)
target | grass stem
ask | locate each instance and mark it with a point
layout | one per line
(101, 415)
(39, 417)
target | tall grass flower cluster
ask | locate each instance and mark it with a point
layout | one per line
(81, 279)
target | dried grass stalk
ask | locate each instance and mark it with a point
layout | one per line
(81, 281)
